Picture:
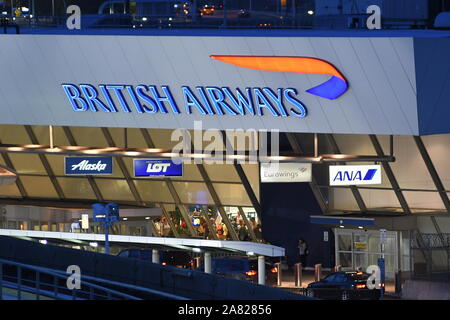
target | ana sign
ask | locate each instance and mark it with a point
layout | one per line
(156, 167)
(355, 175)
(286, 172)
(88, 165)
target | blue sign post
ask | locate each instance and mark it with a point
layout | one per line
(382, 266)
(106, 215)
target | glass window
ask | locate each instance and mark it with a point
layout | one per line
(345, 260)
(9, 191)
(437, 147)
(252, 173)
(12, 225)
(360, 261)
(343, 199)
(89, 136)
(222, 172)
(40, 187)
(232, 194)
(376, 199)
(340, 277)
(115, 189)
(359, 242)
(193, 192)
(14, 134)
(153, 191)
(330, 278)
(345, 242)
(35, 225)
(56, 163)
(27, 163)
(429, 200)
(77, 188)
(374, 243)
(373, 259)
(162, 138)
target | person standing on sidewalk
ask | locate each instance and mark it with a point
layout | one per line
(303, 251)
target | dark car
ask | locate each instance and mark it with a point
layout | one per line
(343, 286)
(243, 13)
(242, 269)
(181, 259)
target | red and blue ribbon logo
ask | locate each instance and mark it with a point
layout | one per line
(332, 89)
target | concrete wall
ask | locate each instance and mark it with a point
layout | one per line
(183, 282)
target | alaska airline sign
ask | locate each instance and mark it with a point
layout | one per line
(151, 99)
(88, 165)
(355, 175)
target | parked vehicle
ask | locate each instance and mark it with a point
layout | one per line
(242, 269)
(180, 259)
(343, 286)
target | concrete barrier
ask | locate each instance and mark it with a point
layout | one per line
(184, 282)
(425, 290)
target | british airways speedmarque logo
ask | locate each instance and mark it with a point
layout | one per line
(332, 89)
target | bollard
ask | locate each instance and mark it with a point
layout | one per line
(155, 256)
(298, 274)
(279, 274)
(207, 262)
(261, 270)
(198, 262)
(317, 272)
(398, 282)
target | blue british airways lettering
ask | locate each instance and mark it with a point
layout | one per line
(157, 167)
(205, 101)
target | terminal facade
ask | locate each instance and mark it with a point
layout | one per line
(296, 97)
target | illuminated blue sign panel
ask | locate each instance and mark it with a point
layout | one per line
(355, 175)
(156, 167)
(88, 165)
(282, 102)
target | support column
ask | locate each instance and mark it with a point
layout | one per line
(207, 262)
(261, 270)
(155, 256)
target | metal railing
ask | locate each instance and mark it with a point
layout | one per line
(39, 282)
(431, 241)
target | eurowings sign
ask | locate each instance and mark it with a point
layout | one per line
(88, 165)
(286, 172)
(213, 100)
(355, 175)
(156, 167)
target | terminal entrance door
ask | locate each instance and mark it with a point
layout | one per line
(359, 249)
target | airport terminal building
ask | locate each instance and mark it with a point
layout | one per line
(358, 121)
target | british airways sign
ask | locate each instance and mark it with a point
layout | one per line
(213, 100)
(156, 167)
(355, 175)
(88, 165)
